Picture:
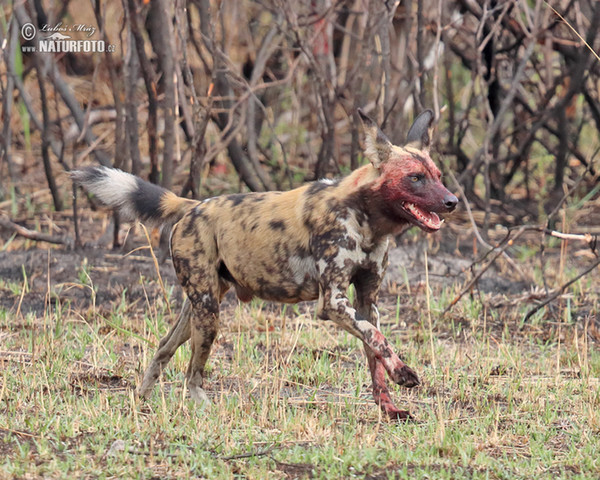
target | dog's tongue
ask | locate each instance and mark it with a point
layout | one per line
(429, 219)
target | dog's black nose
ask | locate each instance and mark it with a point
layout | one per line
(450, 202)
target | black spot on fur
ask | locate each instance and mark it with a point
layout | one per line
(419, 157)
(182, 268)
(209, 304)
(146, 199)
(277, 225)
(189, 226)
(276, 293)
(316, 187)
(347, 243)
(302, 252)
(198, 213)
(209, 338)
(190, 221)
(237, 198)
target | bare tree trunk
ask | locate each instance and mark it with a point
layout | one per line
(12, 42)
(222, 87)
(41, 75)
(149, 76)
(130, 74)
(159, 25)
(117, 89)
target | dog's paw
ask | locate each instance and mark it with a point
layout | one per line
(402, 415)
(394, 413)
(406, 377)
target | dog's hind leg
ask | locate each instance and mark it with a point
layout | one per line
(204, 327)
(179, 334)
(205, 295)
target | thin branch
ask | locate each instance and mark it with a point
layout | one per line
(560, 291)
(5, 222)
(476, 230)
(41, 76)
(506, 242)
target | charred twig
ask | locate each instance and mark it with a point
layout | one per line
(63, 89)
(75, 208)
(117, 89)
(268, 46)
(225, 119)
(130, 74)
(258, 453)
(7, 100)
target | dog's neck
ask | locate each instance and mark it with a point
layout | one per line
(361, 188)
(359, 178)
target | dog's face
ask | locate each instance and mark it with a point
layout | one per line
(409, 184)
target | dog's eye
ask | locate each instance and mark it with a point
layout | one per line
(416, 178)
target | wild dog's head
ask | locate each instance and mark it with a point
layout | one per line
(409, 183)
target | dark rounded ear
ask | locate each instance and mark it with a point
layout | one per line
(420, 132)
(378, 146)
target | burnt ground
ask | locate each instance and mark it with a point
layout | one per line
(79, 277)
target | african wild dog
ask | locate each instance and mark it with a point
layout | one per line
(305, 244)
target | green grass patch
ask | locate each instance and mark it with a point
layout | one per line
(291, 399)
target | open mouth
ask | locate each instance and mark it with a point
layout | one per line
(425, 220)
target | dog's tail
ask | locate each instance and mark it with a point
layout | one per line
(132, 197)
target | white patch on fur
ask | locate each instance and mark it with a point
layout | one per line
(114, 190)
(322, 265)
(356, 257)
(376, 312)
(300, 266)
(378, 254)
(327, 181)
(351, 226)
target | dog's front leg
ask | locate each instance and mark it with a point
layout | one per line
(366, 298)
(334, 305)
